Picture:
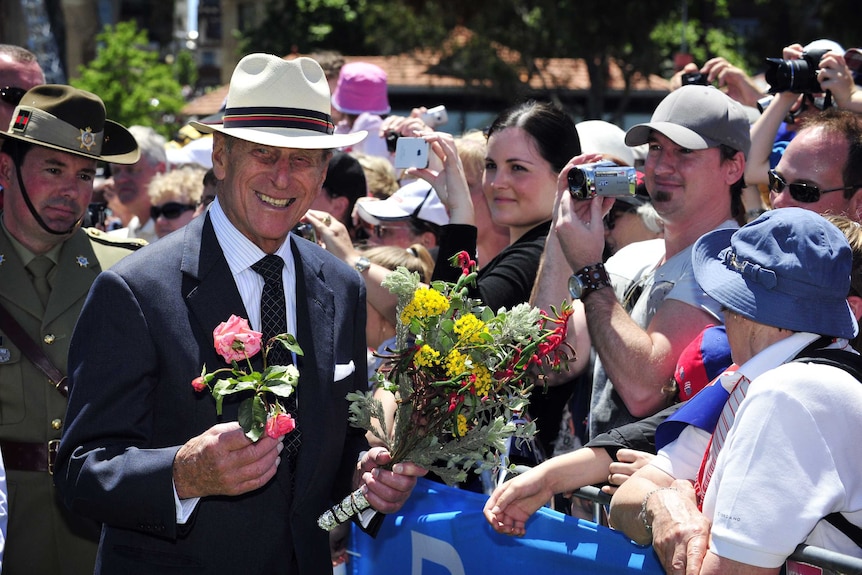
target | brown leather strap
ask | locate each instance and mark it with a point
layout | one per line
(29, 456)
(34, 353)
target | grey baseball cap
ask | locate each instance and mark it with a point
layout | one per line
(697, 117)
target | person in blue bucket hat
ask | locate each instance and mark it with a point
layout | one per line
(773, 468)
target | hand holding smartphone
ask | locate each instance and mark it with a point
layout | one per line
(411, 153)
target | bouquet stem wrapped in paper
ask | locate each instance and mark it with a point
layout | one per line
(461, 374)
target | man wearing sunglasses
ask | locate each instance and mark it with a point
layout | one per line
(787, 111)
(19, 71)
(821, 169)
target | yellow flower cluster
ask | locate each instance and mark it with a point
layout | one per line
(483, 380)
(462, 425)
(427, 356)
(469, 328)
(426, 302)
(456, 363)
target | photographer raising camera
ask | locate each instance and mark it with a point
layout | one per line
(804, 81)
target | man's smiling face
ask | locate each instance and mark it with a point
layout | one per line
(266, 189)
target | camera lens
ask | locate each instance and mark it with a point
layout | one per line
(577, 183)
(798, 76)
(391, 141)
(305, 230)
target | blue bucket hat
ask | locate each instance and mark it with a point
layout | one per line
(789, 268)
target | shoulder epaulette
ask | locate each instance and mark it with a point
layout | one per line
(98, 236)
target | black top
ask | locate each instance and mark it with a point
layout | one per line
(506, 280)
(638, 435)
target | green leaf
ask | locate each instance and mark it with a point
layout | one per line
(283, 389)
(252, 417)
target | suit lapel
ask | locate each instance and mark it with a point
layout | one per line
(315, 325)
(208, 286)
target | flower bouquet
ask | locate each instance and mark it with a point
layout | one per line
(236, 342)
(461, 374)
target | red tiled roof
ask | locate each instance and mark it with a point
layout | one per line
(413, 71)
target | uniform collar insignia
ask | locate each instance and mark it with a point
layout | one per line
(82, 261)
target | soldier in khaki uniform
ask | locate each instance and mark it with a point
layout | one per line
(47, 264)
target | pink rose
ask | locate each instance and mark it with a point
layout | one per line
(280, 424)
(198, 383)
(234, 340)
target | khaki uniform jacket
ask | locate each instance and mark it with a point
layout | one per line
(42, 536)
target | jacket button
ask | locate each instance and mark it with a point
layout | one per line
(56, 423)
(49, 339)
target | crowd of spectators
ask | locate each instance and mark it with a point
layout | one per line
(734, 252)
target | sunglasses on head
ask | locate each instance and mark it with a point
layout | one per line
(12, 95)
(801, 192)
(380, 231)
(171, 210)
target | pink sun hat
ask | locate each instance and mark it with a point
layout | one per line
(361, 88)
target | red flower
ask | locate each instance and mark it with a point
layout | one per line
(465, 262)
(280, 424)
(198, 383)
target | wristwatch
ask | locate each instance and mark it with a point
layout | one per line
(587, 280)
(362, 264)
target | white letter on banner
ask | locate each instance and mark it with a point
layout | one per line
(436, 551)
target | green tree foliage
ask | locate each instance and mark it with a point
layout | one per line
(349, 26)
(641, 37)
(135, 85)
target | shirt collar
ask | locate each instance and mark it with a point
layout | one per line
(239, 251)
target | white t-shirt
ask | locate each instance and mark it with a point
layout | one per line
(642, 283)
(790, 459)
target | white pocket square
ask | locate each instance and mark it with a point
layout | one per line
(342, 370)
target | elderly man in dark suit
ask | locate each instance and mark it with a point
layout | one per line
(178, 489)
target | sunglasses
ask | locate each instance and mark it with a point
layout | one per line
(380, 231)
(171, 210)
(12, 95)
(805, 193)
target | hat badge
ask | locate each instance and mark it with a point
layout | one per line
(87, 138)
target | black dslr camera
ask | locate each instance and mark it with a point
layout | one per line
(797, 76)
(96, 215)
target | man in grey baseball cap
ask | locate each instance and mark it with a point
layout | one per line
(698, 140)
(697, 118)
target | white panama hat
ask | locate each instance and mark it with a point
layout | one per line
(278, 102)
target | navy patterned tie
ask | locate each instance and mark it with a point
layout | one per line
(273, 319)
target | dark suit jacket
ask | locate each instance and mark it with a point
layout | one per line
(144, 334)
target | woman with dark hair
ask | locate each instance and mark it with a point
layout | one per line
(528, 145)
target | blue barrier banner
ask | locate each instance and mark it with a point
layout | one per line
(441, 531)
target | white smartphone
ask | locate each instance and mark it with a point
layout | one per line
(411, 153)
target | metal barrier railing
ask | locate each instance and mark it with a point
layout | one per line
(845, 564)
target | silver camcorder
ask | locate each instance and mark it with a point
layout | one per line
(602, 179)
